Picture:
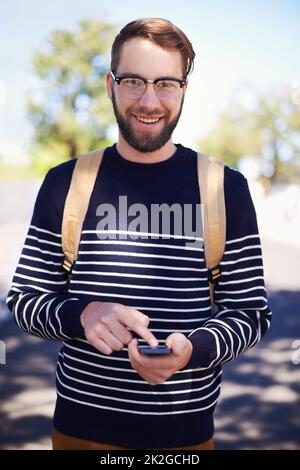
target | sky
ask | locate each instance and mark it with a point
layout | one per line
(236, 43)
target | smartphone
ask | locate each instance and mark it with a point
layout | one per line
(154, 351)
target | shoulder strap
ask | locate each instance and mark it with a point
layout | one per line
(211, 184)
(77, 202)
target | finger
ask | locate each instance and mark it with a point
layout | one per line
(120, 332)
(137, 314)
(136, 324)
(152, 363)
(112, 341)
(136, 357)
(177, 342)
(101, 346)
(133, 350)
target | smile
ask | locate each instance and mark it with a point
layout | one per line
(147, 121)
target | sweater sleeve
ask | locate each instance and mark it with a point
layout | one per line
(39, 298)
(242, 315)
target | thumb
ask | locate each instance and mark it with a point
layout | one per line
(177, 342)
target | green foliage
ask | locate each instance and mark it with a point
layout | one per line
(69, 110)
(16, 172)
(269, 130)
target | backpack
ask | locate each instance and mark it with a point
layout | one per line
(211, 186)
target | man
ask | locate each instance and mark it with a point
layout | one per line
(133, 287)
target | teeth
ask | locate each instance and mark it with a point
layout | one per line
(147, 120)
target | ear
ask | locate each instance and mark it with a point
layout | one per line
(109, 84)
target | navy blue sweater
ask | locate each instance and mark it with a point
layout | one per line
(99, 397)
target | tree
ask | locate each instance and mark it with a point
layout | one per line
(269, 130)
(70, 111)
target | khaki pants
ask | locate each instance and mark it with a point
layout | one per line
(63, 442)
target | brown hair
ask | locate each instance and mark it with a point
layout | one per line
(161, 32)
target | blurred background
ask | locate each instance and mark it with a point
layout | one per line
(242, 106)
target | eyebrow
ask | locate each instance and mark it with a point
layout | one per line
(136, 75)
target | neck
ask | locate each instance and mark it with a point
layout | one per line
(133, 155)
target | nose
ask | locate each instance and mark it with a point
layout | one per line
(149, 97)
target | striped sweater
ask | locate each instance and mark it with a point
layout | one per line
(99, 397)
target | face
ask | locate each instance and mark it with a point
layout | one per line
(141, 57)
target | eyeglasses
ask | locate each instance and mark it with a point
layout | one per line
(133, 87)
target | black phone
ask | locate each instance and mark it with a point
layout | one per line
(154, 351)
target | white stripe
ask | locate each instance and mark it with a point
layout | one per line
(35, 288)
(39, 260)
(138, 255)
(16, 313)
(44, 231)
(133, 243)
(189, 381)
(39, 270)
(195, 410)
(137, 402)
(23, 314)
(58, 319)
(240, 260)
(39, 320)
(140, 392)
(241, 290)
(259, 325)
(115, 379)
(158, 309)
(164, 299)
(241, 281)
(101, 366)
(229, 330)
(247, 325)
(228, 242)
(243, 270)
(171, 330)
(45, 281)
(227, 350)
(247, 299)
(52, 253)
(143, 276)
(240, 349)
(136, 286)
(137, 265)
(48, 320)
(38, 300)
(98, 354)
(42, 240)
(142, 234)
(248, 247)
(184, 320)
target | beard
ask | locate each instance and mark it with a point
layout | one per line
(144, 141)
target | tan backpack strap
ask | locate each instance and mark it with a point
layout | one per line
(211, 184)
(77, 202)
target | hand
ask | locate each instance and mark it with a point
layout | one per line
(106, 326)
(156, 370)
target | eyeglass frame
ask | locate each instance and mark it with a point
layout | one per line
(118, 80)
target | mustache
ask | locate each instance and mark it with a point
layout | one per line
(145, 112)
